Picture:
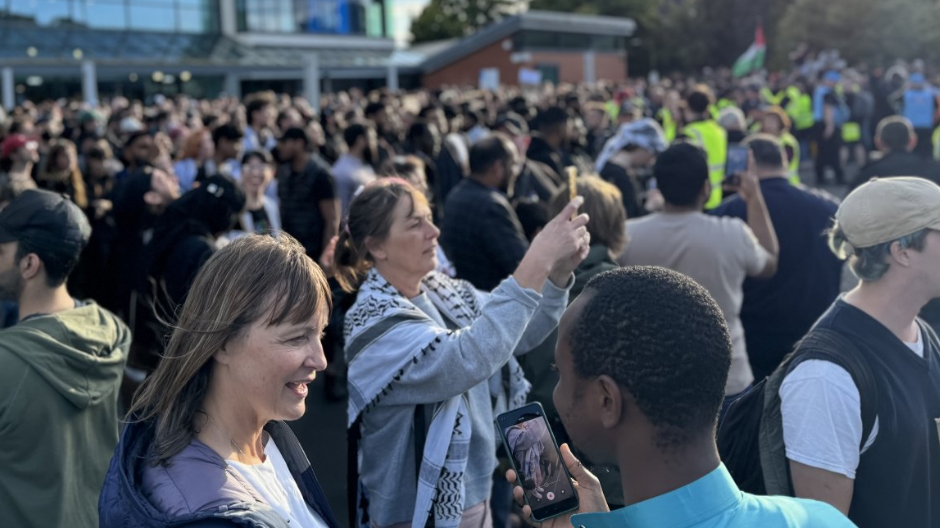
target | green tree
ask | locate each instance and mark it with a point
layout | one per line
(684, 35)
(444, 19)
(873, 31)
(663, 27)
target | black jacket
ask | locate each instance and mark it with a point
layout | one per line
(542, 152)
(300, 194)
(899, 164)
(536, 181)
(481, 234)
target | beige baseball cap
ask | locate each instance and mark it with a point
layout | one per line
(886, 209)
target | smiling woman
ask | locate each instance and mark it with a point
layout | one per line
(207, 438)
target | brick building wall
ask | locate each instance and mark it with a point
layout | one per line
(466, 71)
(607, 66)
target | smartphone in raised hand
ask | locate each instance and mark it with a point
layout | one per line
(572, 183)
(736, 165)
(537, 461)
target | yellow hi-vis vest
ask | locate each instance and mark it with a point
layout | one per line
(664, 116)
(710, 136)
(793, 170)
(769, 96)
(800, 109)
(851, 132)
(935, 139)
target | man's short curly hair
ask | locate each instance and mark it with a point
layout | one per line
(663, 339)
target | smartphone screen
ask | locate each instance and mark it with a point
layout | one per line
(537, 460)
(737, 161)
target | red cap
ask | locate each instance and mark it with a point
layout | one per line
(12, 144)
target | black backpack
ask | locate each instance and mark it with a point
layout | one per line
(750, 435)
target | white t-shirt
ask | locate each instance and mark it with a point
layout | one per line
(822, 415)
(717, 252)
(273, 481)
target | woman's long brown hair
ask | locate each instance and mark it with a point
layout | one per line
(254, 277)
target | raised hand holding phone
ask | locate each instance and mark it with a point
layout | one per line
(587, 486)
(736, 165)
(572, 183)
(749, 183)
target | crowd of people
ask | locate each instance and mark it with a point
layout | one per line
(173, 276)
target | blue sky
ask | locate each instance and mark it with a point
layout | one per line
(402, 12)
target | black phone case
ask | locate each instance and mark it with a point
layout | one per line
(536, 408)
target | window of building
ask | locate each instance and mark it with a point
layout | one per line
(42, 12)
(152, 16)
(549, 72)
(183, 16)
(356, 17)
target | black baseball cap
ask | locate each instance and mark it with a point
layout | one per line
(45, 221)
(296, 133)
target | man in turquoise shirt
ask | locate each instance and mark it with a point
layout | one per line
(643, 355)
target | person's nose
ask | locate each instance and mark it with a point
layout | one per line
(316, 357)
(434, 232)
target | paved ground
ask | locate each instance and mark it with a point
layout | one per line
(322, 431)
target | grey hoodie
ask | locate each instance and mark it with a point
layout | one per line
(59, 380)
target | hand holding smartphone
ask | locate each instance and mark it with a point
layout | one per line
(537, 461)
(572, 186)
(736, 165)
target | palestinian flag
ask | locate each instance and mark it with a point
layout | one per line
(753, 58)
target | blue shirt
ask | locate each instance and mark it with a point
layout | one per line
(919, 107)
(819, 101)
(714, 501)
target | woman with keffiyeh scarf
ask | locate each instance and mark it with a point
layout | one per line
(418, 339)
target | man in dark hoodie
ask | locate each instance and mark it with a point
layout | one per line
(139, 201)
(548, 142)
(60, 369)
(184, 238)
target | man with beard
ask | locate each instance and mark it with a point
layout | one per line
(355, 168)
(60, 369)
(139, 151)
(481, 233)
(18, 155)
(536, 180)
(309, 203)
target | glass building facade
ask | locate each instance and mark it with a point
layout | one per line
(142, 47)
(341, 17)
(176, 16)
(338, 17)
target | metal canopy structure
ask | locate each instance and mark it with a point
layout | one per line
(36, 47)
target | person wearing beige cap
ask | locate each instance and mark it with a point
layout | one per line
(860, 434)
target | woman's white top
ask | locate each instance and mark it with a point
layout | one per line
(273, 481)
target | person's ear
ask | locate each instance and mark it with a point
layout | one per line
(223, 355)
(376, 249)
(610, 401)
(152, 198)
(30, 266)
(901, 255)
(913, 143)
(706, 191)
